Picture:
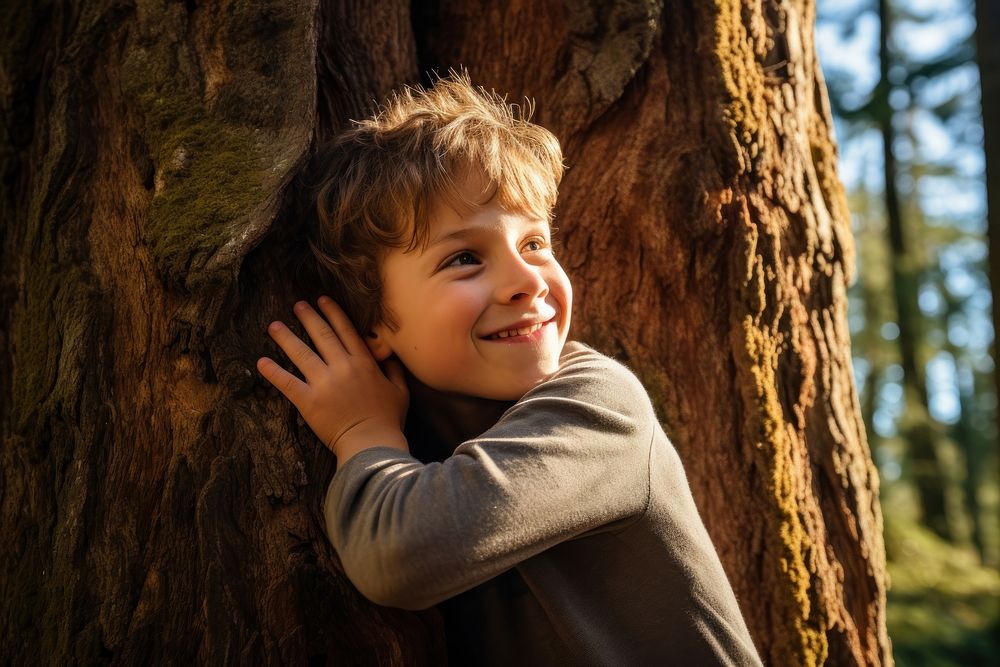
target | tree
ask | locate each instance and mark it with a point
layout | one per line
(161, 502)
(922, 107)
(883, 109)
(988, 57)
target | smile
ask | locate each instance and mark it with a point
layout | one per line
(520, 331)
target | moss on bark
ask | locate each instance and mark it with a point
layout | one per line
(208, 170)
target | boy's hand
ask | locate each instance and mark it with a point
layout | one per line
(346, 398)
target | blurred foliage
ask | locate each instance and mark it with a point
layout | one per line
(914, 90)
(944, 607)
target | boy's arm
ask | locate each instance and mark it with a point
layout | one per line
(571, 457)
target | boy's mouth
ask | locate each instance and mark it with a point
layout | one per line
(525, 330)
(520, 331)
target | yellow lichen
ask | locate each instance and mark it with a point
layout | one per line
(792, 544)
(742, 81)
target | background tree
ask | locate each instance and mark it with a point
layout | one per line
(886, 110)
(161, 502)
(988, 55)
(923, 107)
(904, 89)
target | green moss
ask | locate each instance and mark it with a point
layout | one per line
(47, 283)
(208, 172)
(60, 302)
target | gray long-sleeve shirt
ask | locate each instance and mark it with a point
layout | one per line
(565, 534)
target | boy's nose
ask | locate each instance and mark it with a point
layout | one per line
(520, 280)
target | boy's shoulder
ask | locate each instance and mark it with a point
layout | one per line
(586, 374)
(580, 358)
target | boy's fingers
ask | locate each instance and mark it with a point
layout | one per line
(326, 340)
(343, 326)
(289, 385)
(301, 354)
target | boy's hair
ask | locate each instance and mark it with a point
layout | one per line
(379, 180)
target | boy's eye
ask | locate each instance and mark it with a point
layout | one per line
(535, 245)
(463, 259)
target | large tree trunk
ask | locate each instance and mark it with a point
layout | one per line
(161, 502)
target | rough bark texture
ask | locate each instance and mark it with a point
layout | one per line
(988, 55)
(161, 503)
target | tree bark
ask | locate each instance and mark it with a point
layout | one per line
(163, 504)
(988, 57)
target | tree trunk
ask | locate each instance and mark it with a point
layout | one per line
(163, 504)
(988, 57)
(922, 433)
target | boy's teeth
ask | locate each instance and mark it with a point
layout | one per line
(518, 332)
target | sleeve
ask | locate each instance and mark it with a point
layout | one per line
(569, 458)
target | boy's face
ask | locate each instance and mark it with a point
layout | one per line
(483, 310)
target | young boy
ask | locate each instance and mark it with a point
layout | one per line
(542, 507)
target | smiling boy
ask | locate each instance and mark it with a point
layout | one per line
(484, 307)
(534, 497)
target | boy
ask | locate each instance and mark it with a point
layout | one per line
(542, 508)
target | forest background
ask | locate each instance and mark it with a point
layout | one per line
(905, 89)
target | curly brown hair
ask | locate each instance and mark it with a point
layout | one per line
(379, 180)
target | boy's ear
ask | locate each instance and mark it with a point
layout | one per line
(377, 344)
